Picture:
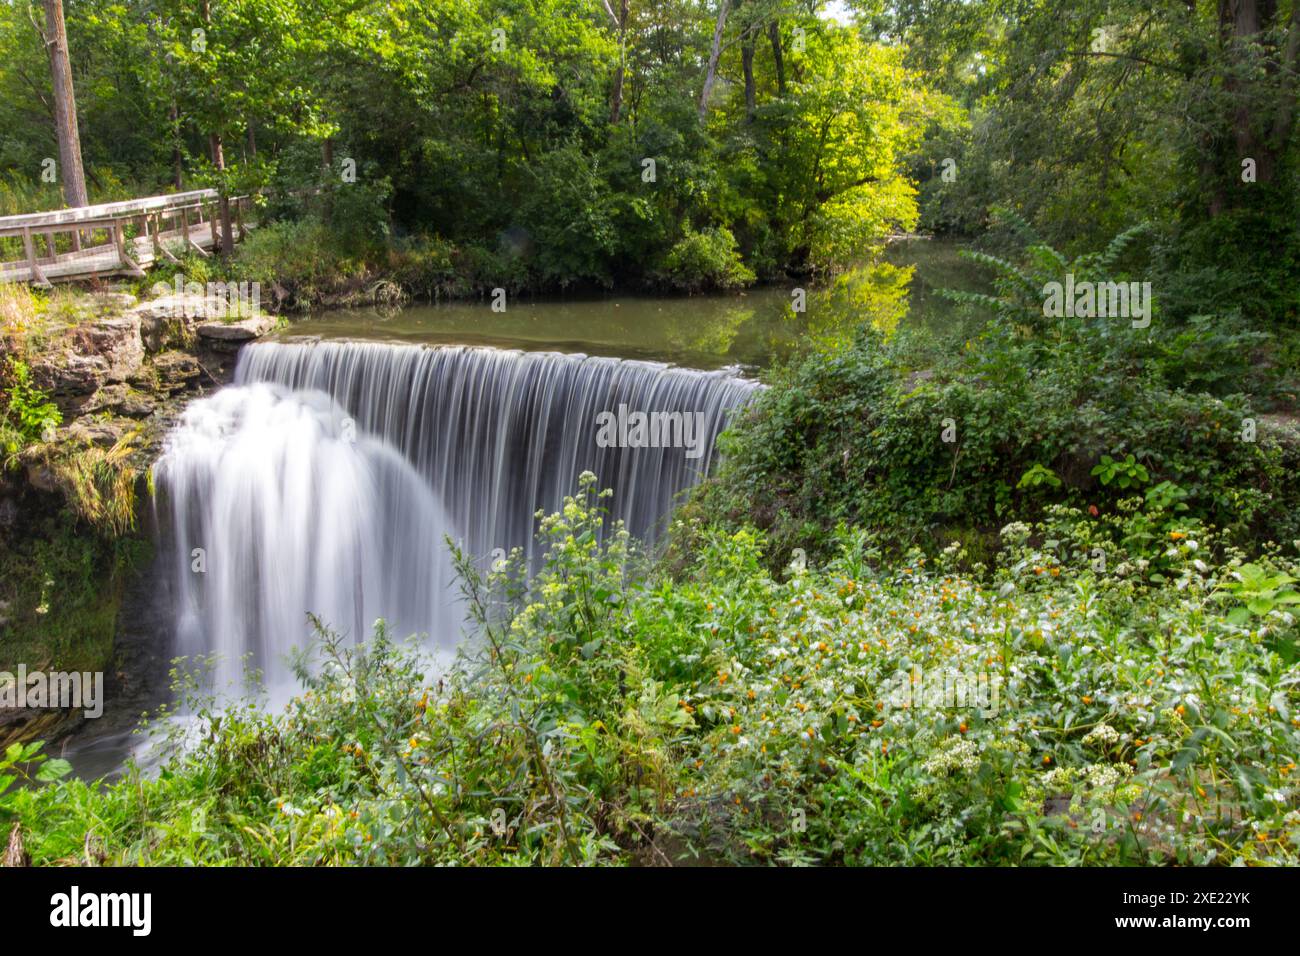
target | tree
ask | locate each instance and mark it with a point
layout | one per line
(65, 105)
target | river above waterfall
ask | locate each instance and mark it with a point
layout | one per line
(748, 331)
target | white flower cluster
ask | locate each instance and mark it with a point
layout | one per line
(1103, 736)
(1016, 533)
(957, 753)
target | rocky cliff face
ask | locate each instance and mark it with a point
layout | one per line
(121, 365)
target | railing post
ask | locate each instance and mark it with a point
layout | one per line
(37, 275)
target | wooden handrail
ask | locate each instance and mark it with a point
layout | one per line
(118, 255)
(82, 216)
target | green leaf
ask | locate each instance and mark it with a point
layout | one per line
(53, 769)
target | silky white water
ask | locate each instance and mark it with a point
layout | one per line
(326, 478)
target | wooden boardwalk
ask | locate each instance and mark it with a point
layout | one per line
(163, 229)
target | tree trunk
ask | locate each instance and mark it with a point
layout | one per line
(65, 106)
(327, 164)
(778, 58)
(1284, 118)
(227, 228)
(1257, 127)
(616, 94)
(715, 54)
(178, 178)
(747, 65)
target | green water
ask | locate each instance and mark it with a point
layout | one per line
(749, 330)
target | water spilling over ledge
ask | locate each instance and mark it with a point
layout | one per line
(500, 434)
(325, 479)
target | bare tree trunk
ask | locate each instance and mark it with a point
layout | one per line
(1258, 132)
(178, 177)
(747, 65)
(616, 94)
(778, 57)
(327, 164)
(219, 161)
(227, 228)
(1284, 119)
(715, 54)
(65, 106)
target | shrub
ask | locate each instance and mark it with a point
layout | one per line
(705, 260)
(28, 416)
(838, 712)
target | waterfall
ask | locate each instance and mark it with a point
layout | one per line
(325, 478)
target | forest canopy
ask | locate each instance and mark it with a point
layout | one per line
(689, 144)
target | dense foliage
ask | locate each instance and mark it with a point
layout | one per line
(457, 144)
(851, 712)
(927, 440)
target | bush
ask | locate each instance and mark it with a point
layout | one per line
(705, 260)
(835, 713)
(860, 435)
(28, 415)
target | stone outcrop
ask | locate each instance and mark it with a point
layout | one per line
(116, 366)
(87, 357)
(253, 327)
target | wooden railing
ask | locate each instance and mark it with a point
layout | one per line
(116, 238)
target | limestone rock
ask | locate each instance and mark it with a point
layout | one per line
(121, 399)
(253, 327)
(88, 356)
(167, 320)
(175, 370)
(41, 477)
(104, 432)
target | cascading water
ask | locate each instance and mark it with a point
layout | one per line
(501, 434)
(325, 479)
(276, 510)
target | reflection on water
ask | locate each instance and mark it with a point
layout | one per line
(751, 330)
(705, 332)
